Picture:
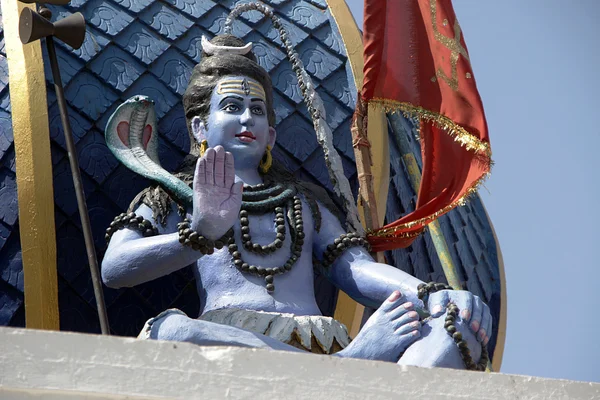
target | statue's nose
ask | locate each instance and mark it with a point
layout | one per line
(246, 118)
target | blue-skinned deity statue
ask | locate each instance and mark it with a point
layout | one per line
(256, 236)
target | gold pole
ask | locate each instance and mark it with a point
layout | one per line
(34, 172)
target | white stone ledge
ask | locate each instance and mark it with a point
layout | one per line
(60, 365)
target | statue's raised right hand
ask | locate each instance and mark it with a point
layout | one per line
(217, 197)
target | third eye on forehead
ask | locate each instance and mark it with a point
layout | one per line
(242, 87)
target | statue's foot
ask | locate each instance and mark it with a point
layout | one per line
(387, 333)
(436, 348)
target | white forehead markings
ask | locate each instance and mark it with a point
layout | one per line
(241, 87)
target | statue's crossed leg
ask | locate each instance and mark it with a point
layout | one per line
(386, 335)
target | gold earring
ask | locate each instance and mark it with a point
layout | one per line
(266, 161)
(203, 147)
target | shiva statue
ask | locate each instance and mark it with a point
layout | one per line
(255, 236)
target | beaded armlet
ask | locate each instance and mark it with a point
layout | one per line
(423, 291)
(131, 221)
(341, 244)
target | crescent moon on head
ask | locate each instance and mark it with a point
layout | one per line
(212, 49)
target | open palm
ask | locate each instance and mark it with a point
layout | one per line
(217, 197)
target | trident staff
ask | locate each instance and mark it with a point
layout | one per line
(71, 30)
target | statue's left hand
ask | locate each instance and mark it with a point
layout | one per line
(473, 311)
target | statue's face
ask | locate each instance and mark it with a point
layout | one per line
(237, 121)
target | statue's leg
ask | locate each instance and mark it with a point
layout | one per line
(180, 328)
(436, 348)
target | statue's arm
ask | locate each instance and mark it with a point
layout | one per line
(356, 273)
(132, 259)
(370, 283)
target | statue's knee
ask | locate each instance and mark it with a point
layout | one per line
(174, 327)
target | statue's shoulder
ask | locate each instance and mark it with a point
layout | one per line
(157, 197)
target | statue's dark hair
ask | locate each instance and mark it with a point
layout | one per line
(196, 99)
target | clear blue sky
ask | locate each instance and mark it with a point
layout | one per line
(537, 65)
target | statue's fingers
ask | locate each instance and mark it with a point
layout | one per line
(393, 301)
(200, 173)
(410, 316)
(486, 324)
(477, 314)
(438, 302)
(229, 170)
(220, 166)
(209, 156)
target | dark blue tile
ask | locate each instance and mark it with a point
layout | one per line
(117, 68)
(318, 61)
(166, 21)
(64, 191)
(106, 16)
(336, 112)
(251, 17)
(123, 185)
(79, 125)
(3, 71)
(194, 9)
(89, 95)
(294, 33)
(141, 42)
(297, 137)
(173, 128)
(342, 139)
(268, 54)
(134, 6)
(6, 134)
(304, 14)
(282, 107)
(11, 262)
(71, 251)
(214, 21)
(11, 300)
(285, 81)
(9, 212)
(94, 156)
(337, 86)
(189, 43)
(148, 85)
(174, 70)
(315, 166)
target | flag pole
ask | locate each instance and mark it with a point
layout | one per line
(364, 163)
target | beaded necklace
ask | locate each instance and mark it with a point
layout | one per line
(261, 199)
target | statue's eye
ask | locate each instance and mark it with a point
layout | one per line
(230, 107)
(257, 110)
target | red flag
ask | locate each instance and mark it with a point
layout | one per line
(416, 62)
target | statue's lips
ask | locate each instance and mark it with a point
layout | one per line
(246, 137)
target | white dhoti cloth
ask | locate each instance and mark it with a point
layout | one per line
(314, 333)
